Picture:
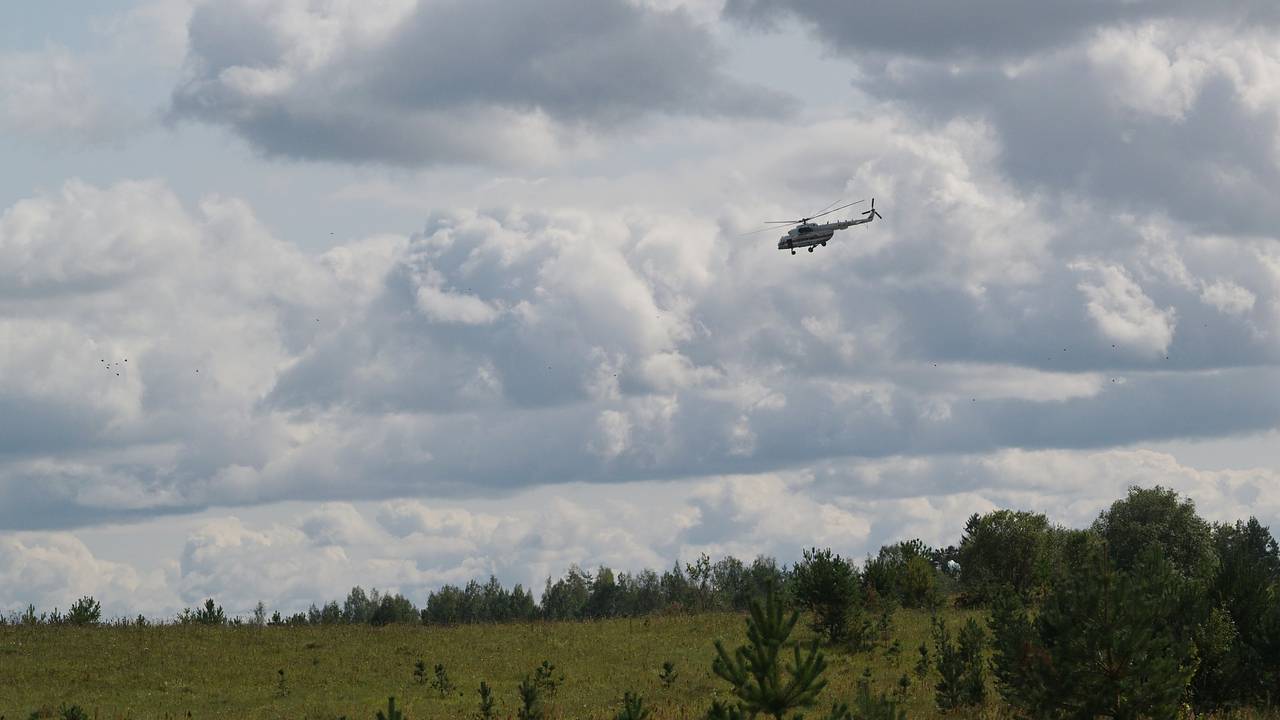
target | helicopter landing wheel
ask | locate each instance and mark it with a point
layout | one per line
(824, 244)
(810, 248)
(793, 252)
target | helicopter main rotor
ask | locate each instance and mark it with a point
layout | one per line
(801, 221)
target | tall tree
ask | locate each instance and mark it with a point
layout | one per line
(1003, 550)
(1158, 516)
(1102, 645)
(1246, 591)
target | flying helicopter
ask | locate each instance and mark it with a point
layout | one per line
(810, 235)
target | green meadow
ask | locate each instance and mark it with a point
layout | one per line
(332, 671)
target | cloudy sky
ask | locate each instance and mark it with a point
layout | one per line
(300, 294)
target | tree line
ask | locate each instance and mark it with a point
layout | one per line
(1148, 609)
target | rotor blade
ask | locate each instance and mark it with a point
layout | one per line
(828, 207)
(835, 209)
(783, 222)
(757, 232)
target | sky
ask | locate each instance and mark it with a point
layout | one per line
(297, 295)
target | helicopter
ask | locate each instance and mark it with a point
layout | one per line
(811, 235)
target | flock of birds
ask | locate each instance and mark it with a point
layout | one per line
(115, 366)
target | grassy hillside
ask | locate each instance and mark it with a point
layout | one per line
(344, 670)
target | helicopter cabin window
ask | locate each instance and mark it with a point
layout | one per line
(804, 229)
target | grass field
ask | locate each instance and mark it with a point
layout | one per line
(335, 671)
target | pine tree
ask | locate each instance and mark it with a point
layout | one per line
(633, 708)
(948, 693)
(210, 614)
(755, 669)
(546, 680)
(1105, 644)
(441, 683)
(530, 701)
(486, 711)
(973, 681)
(922, 664)
(392, 713)
(873, 707)
(85, 611)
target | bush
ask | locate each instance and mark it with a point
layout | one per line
(392, 713)
(904, 574)
(826, 585)
(632, 708)
(668, 674)
(874, 707)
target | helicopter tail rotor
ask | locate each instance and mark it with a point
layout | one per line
(872, 212)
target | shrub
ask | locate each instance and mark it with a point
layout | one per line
(72, 712)
(441, 683)
(668, 674)
(632, 708)
(826, 585)
(392, 713)
(874, 707)
(903, 573)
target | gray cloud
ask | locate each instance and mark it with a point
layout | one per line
(449, 82)
(1066, 127)
(1142, 107)
(983, 28)
(309, 553)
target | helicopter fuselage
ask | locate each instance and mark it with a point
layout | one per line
(810, 234)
